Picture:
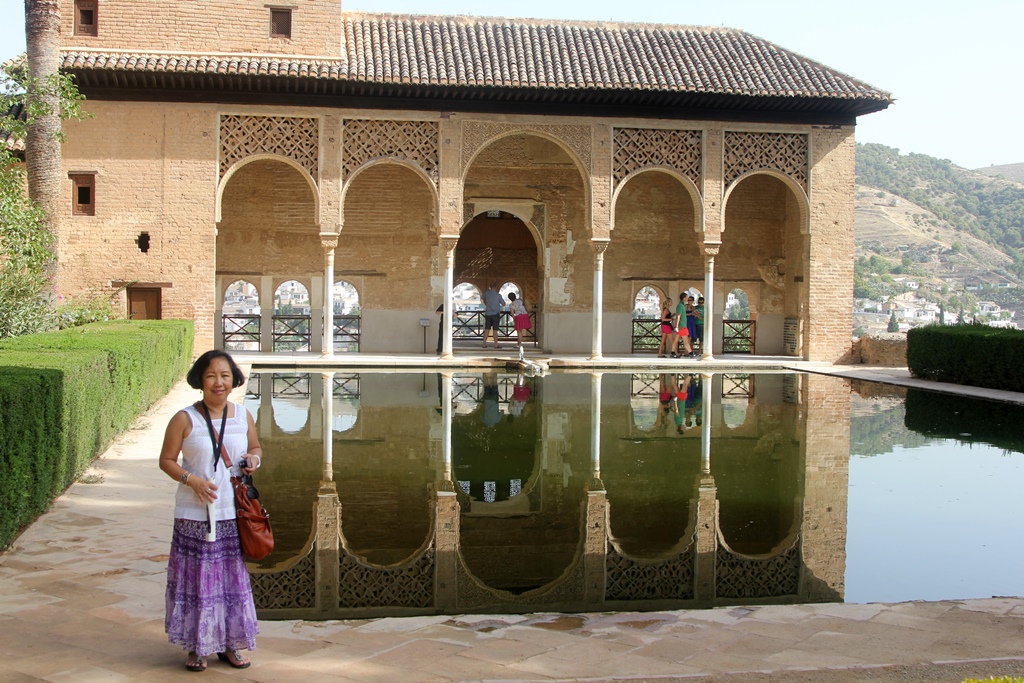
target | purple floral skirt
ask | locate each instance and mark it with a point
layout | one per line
(209, 599)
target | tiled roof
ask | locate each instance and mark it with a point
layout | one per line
(446, 53)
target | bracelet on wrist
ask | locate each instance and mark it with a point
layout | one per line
(184, 477)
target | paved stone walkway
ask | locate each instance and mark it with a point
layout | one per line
(81, 599)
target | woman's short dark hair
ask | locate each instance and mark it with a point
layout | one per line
(195, 375)
(511, 296)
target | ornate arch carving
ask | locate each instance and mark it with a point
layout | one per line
(294, 138)
(369, 139)
(638, 148)
(786, 153)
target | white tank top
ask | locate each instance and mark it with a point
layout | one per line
(197, 458)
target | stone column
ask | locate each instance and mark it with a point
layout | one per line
(599, 245)
(711, 248)
(329, 242)
(267, 314)
(316, 322)
(448, 243)
(707, 501)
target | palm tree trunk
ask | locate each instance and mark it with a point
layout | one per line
(42, 145)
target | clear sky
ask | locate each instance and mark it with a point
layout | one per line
(954, 67)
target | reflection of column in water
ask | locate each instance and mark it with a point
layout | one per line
(327, 401)
(595, 425)
(446, 416)
(316, 408)
(265, 413)
(705, 430)
(707, 494)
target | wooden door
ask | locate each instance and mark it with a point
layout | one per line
(143, 303)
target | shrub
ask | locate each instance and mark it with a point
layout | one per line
(65, 395)
(975, 355)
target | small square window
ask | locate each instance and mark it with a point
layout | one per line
(85, 17)
(83, 194)
(281, 23)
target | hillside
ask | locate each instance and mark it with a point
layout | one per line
(946, 228)
(1014, 172)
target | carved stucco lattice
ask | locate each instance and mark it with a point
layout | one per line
(409, 585)
(476, 134)
(570, 587)
(783, 152)
(415, 141)
(741, 577)
(291, 588)
(637, 148)
(292, 137)
(630, 579)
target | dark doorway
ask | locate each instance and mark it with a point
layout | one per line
(144, 303)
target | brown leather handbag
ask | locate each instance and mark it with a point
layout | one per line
(254, 532)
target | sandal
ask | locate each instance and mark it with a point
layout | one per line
(234, 659)
(195, 662)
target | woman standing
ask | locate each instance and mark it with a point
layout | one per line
(667, 330)
(520, 318)
(209, 601)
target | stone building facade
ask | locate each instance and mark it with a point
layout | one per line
(236, 141)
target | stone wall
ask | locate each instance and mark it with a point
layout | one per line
(888, 349)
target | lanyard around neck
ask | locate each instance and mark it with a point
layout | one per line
(218, 442)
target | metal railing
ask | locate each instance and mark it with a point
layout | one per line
(738, 336)
(467, 325)
(346, 333)
(241, 332)
(646, 334)
(291, 333)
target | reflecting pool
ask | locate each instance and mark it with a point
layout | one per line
(425, 493)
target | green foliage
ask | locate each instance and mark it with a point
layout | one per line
(65, 395)
(974, 355)
(993, 679)
(894, 325)
(990, 210)
(84, 310)
(25, 243)
(18, 109)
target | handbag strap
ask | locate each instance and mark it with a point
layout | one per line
(217, 442)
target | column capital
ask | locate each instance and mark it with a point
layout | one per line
(710, 248)
(600, 245)
(329, 240)
(449, 242)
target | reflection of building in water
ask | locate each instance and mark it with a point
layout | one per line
(579, 501)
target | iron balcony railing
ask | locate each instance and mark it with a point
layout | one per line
(241, 332)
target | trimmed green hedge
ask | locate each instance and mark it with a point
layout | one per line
(65, 395)
(975, 355)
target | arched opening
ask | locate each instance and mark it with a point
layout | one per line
(347, 316)
(764, 247)
(739, 329)
(387, 249)
(240, 320)
(655, 238)
(269, 230)
(291, 317)
(529, 201)
(497, 250)
(647, 314)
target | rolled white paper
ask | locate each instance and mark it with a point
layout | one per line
(211, 514)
